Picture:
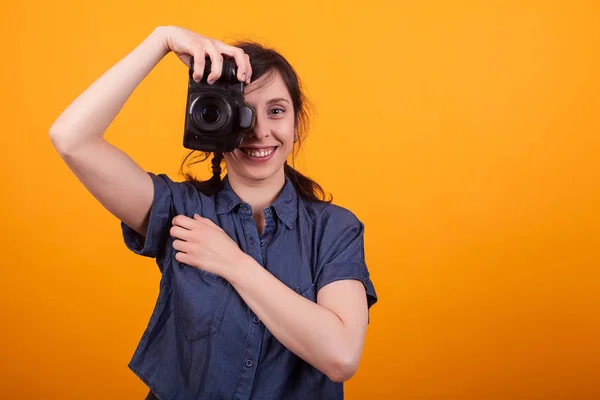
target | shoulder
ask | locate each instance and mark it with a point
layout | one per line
(182, 195)
(331, 216)
(163, 181)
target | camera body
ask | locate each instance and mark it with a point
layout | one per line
(216, 115)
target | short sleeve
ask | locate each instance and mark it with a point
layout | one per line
(170, 198)
(344, 256)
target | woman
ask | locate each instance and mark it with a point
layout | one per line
(264, 291)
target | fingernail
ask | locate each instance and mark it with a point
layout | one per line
(197, 80)
(243, 77)
(210, 82)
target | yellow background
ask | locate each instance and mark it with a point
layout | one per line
(465, 135)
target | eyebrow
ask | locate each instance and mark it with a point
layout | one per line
(277, 100)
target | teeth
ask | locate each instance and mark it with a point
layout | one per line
(259, 153)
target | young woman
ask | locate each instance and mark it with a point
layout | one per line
(264, 291)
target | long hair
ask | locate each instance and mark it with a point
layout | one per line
(263, 61)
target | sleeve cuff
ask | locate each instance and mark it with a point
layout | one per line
(347, 270)
(153, 242)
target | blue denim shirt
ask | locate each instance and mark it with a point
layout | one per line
(202, 340)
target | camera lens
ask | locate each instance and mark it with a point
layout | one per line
(210, 113)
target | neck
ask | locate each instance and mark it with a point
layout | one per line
(260, 194)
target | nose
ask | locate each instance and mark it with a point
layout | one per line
(260, 130)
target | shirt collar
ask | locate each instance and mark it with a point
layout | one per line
(226, 199)
(285, 206)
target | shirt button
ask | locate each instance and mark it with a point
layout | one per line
(256, 320)
(251, 241)
(249, 363)
(262, 243)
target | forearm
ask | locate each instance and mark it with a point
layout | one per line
(312, 332)
(89, 115)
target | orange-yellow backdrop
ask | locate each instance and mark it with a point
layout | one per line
(465, 135)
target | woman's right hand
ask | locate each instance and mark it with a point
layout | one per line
(185, 44)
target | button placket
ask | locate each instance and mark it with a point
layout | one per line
(250, 232)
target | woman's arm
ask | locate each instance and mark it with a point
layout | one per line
(110, 175)
(121, 185)
(328, 334)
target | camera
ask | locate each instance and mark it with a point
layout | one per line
(216, 115)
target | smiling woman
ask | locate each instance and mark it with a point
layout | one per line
(265, 292)
(275, 82)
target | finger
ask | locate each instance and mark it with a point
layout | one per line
(206, 221)
(180, 245)
(241, 60)
(201, 219)
(199, 63)
(247, 57)
(216, 63)
(183, 258)
(183, 221)
(180, 233)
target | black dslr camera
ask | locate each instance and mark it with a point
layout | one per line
(216, 116)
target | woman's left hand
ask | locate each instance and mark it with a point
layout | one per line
(202, 244)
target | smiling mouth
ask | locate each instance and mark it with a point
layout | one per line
(258, 153)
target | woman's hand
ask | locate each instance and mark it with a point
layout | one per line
(203, 245)
(186, 44)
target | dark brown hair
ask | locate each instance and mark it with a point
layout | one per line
(266, 61)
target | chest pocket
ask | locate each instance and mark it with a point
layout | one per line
(200, 301)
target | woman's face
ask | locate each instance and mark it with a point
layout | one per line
(265, 149)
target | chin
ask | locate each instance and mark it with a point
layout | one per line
(262, 174)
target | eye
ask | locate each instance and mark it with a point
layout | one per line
(276, 111)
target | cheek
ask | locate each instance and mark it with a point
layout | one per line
(288, 144)
(287, 132)
(231, 157)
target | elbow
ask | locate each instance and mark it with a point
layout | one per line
(62, 138)
(58, 141)
(342, 369)
(64, 143)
